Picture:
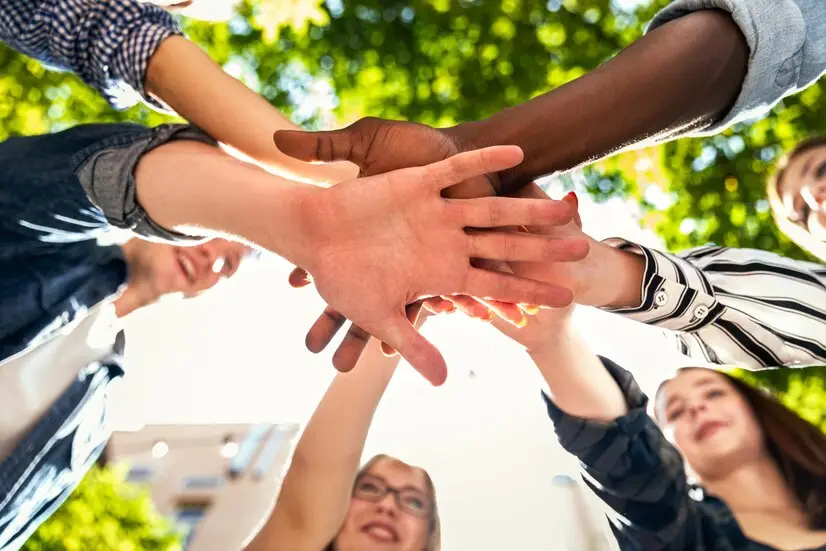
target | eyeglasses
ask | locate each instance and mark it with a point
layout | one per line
(409, 500)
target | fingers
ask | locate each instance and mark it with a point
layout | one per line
(323, 330)
(349, 351)
(415, 315)
(299, 278)
(417, 350)
(469, 164)
(471, 307)
(525, 247)
(508, 312)
(327, 146)
(533, 191)
(438, 305)
(510, 288)
(497, 212)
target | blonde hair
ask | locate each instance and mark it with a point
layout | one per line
(434, 539)
(798, 234)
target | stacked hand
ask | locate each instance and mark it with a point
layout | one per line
(375, 245)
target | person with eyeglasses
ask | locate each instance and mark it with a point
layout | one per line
(327, 502)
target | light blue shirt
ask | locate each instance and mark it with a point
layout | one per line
(787, 44)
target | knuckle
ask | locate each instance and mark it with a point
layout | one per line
(494, 213)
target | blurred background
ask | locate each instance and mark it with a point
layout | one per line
(218, 386)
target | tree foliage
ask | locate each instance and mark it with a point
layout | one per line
(106, 513)
(447, 61)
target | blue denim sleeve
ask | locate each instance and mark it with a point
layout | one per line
(107, 43)
(787, 43)
(77, 184)
(635, 471)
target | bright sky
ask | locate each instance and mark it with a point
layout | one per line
(237, 355)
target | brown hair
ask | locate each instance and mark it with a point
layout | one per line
(797, 447)
(800, 235)
(434, 540)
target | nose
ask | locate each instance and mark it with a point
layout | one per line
(814, 193)
(695, 407)
(387, 504)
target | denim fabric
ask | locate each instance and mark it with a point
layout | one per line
(787, 49)
(54, 272)
(49, 463)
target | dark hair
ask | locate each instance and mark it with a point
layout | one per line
(797, 447)
(793, 231)
(434, 540)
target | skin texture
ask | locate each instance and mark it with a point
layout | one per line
(802, 191)
(382, 525)
(158, 269)
(680, 77)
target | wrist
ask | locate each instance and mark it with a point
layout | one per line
(469, 136)
(557, 333)
(626, 271)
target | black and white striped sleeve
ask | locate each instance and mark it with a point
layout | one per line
(743, 307)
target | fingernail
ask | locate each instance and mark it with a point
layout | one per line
(530, 310)
(489, 316)
(574, 198)
(523, 322)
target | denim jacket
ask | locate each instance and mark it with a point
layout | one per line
(53, 272)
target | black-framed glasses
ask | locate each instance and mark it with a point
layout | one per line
(410, 500)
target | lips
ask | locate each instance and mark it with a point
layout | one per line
(187, 267)
(381, 531)
(707, 429)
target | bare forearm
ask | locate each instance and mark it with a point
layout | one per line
(197, 189)
(316, 490)
(614, 278)
(681, 76)
(187, 80)
(579, 383)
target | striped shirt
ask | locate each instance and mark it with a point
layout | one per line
(744, 307)
(640, 477)
(107, 43)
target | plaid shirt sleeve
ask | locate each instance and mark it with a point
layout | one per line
(107, 43)
(635, 471)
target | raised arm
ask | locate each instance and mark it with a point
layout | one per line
(599, 414)
(131, 50)
(317, 488)
(744, 307)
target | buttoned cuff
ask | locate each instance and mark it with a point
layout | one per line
(775, 32)
(675, 294)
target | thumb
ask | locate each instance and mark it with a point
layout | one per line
(401, 335)
(326, 146)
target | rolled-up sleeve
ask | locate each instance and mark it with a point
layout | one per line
(635, 471)
(107, 43)
(787, 44)
(106, 171)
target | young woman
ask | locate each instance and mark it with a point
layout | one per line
(797, 195)
(759, 469)
(328, 503)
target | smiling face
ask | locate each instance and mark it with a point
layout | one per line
(710, 422)
(801, 188)
(391, 510)
(167, 269)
